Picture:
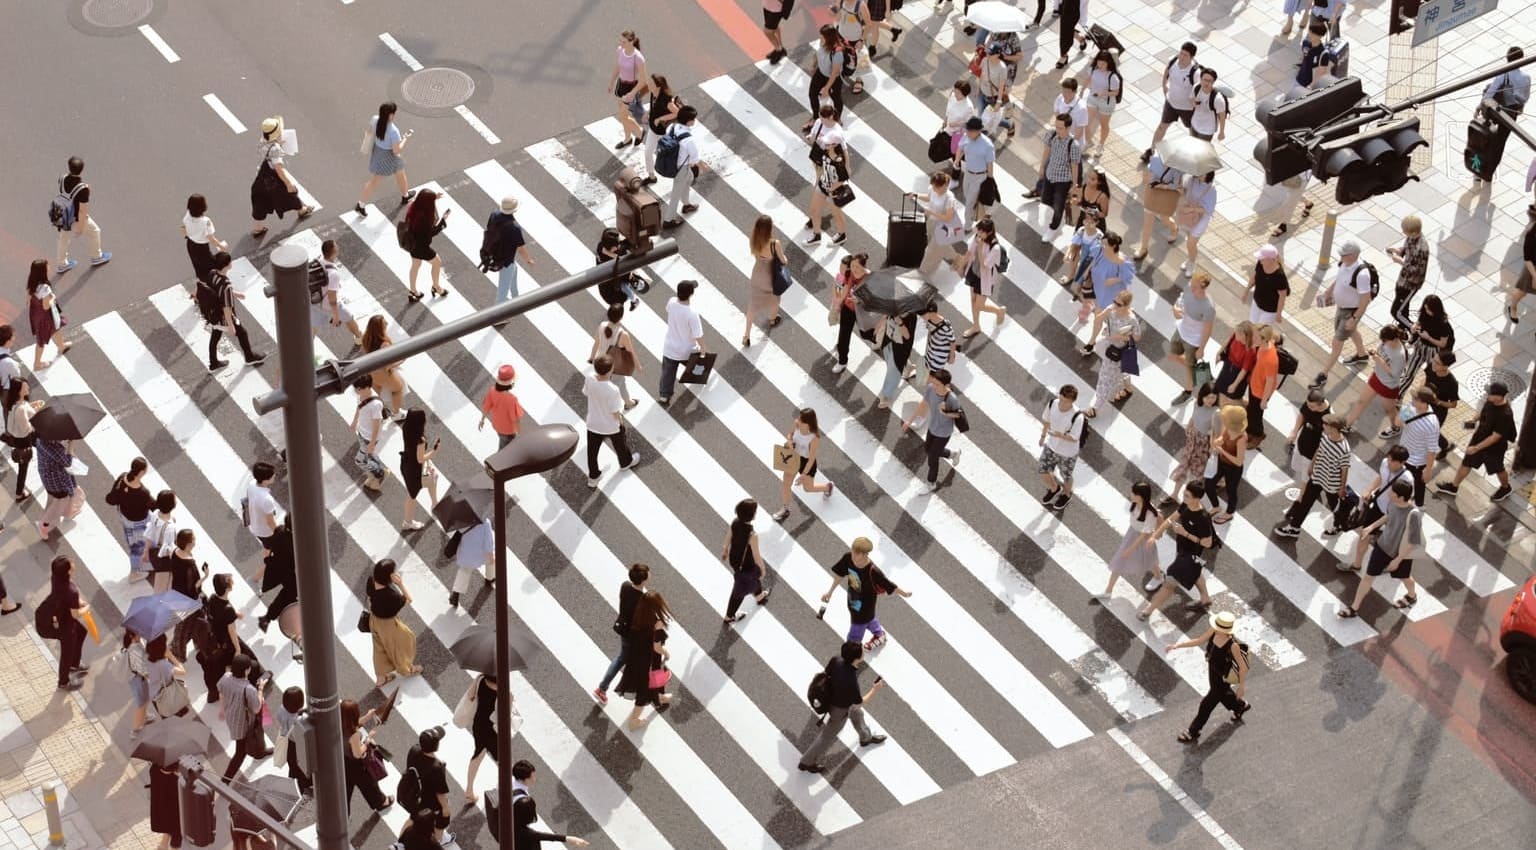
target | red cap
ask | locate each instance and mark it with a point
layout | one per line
(506, 374)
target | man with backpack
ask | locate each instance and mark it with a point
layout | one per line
(836, 690)
(677, 157)
(1062, 427)
(216, 301)
(1353, 288)
(1510, 91)
(424, 784)
(325, 306)
(368, 424)
(502, 246)
(941, 407)
(1179, 81)
(70, 215)
(1208, 117)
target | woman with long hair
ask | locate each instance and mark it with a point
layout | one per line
(1137, 554)
(1092, 197)
(804, 437)
(422, 223)
(18, 431)
(1109, 274)
(356, 740)
(826, 71)
(387, 379)
(979, 266)
(202, 242)
(43, 312)
(1389, 372)
(628, 82)
(1197, 439)
(1104, 89)
(852, 272)
(830, 154)
(611, 334)
(740, 553)
(663, 111)
(385, 143)
(1121, 329)
(1238, 357)
(645, 656)
(1230, 446)
(1431, 333)
(765, 250)
(416, 466)
(394, 644)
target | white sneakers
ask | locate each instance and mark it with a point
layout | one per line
(1154, 583)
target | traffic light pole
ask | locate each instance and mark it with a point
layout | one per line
(1497, 115)
(1372, 114)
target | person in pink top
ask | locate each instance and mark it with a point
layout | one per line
(628, 82)
(501, 407)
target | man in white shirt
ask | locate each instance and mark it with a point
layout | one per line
(368, 422)
(1179, 81)
(1208, 119)
(1061, 435)
(260, 506)
(605, 419)
(1071, 103)
(1350, 296)
(330, 312)
(685, 335)
(688, 167)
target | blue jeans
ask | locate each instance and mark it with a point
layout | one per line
(614, 667)
(506, 282)
(669, 369)
(892, 374)
(368, 463)
(133, 534)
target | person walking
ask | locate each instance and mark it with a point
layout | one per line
(1061, 439)
(241, 706)
(216, 299)
(1208, 119)
(384, 143)
(664, 110)
(10, 370)
(630, 593)
(1196, 317)
(1071, 102)
(939, 348)
(941, 408)
(981, 266)
(1353, 289)
(19, 433)
(1193, 534)
(260, 505)
(1389, 362)
(865, 584)
(1268, 288)
(645, 674)
(287, 716)
(895, 335)
(775, 12)
(1158, 179)
(844, 703)
(1431, 334)
(133, 502)
(1226, 663)
(975, 157)
(1262, 382)
(1421, 437)
(476, 553)
(331, 311)
(501, 407)
(689, 167)
(7, 607)
(1238, 358)
(416, 466)
(1317, 61)
(359, 750)
(830, 156)
(387, 379)
(1307, 432)
(628, 83)
(65, 498)
(368, 425)
(766, 251)
(851, 19)
(611, 245)
(1440, 380)
(826, 72)
(1180, 78)
(1109, 275)
(431, 809)
(483, 692)
(1198, 431)
(503, 245)
(183, 576)
(852, 272)
(605, 419)
(1413, 257)
(279, 571)
(1069, 12)
(941, 214)
(804, 437)
(422, 223)
(43, 313)
(1090, 199)
(1137, 554)
(69, 611)
(202, 241)
(525, 813)
(1327, 475)
(685, 336)
(1493, 431)
(1104, 92)
(1061, 164)
(989, 95)
(165, 805)
(1120, 329)
(1230, 446)
(615, 341)
(222, 618)
(1525, 280)
(740, 553)
(1195, 212)
(394, 644)
(274, 190)
(76, 219)
(1392, 551)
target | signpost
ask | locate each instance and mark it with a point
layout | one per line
(1437, 17)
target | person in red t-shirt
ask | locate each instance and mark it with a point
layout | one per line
(502, 407)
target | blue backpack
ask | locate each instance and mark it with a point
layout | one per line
(61, 212)
(668, 151)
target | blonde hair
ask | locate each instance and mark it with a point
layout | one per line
(1412, 225)
(1244, 330)
(1265, 333)
(1234, 417)
(1203, 276)
(1123, 298)
(862, 545)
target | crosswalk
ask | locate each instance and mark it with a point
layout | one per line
(1000, 653)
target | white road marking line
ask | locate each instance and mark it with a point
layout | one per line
(1150, 768)
(463, 111)
(399, 50)
(223, 112)
(154, 38)
(475, 122)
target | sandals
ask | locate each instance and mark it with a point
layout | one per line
(306, 212)
(1348, 613)
(1222, 518)
(774, 322)
(1405, 602)
(413, 297)
(970, 333)
(258, 232)
(440, 291)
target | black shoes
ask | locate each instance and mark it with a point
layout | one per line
(453, 600)
(872, 740)
(217, 365)
(813, 767)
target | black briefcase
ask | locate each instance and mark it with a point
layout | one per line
(906, 235)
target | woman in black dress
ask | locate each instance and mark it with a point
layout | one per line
(740, 553)
(69, 607)
(355, 741)
(415, 466)
(645, 652)
(164, 806)
(422, 223)
(483, 728)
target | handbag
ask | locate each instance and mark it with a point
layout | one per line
(975, 66)
(842, 196)
(623, 360)
(373, 763)
(172, 701)
(659, 678)
(938, 146)
(780, 279)
(362, 623)
(1202, 373)
(1113, 353)
(962, 424)
(363, 149)
(1161, 200)
(784, 458)
(464, 712)
(280, 750)
(1130, 362)
(1210, 467)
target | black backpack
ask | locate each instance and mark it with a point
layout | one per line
(317, 281)
(46, 620)
(210, 298)
(819, 693)
(1287, 365)
(1354, 279)
(408, 792)
(1194, 69)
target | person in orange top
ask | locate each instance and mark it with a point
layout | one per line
(501, 407)
(1262, 381)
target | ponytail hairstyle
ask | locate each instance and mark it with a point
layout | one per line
(629, 36)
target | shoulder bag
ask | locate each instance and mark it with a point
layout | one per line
(623, 358)
(780, 280)
(172, 701)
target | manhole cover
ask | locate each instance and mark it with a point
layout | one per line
(116, 13)
(1478, 383)
(437, 88)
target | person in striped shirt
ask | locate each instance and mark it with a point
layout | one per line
(940, 351)
(1327, 475)
(1421, 437)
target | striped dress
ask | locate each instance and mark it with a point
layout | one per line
(1330, 464)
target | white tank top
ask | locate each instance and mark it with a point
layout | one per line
(802, 442)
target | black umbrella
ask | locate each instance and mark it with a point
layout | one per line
(475, 650)
(894, 293)
(466, 505)
(164, 742)
(277, 796)
(68, 417)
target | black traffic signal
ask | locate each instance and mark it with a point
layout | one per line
(1404, 12)
(1485, 145)
(1278, 153)
(1373, 161)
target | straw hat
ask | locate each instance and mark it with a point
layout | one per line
(1223, 622)
(509, 205)
(272, 127)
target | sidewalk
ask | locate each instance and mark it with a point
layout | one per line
(50, 736)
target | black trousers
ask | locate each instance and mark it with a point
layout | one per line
(1232, 475)
(1071, 13)
(29, 442)
(1056, 196)
(1255, 414)
(1402, 302)
(217, 333)
(620, 447)
(1440, 416)
(1303, 505)
(358, 778)
(847, 323)
(287, 594)
(1220, 693)
(747, 582)
(813, 94)
(253, 745)
(1419, 486)
(294, 771)
(71, 644)
(935, 448)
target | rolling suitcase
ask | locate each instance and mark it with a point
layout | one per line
(1103, 39)
(906, 235)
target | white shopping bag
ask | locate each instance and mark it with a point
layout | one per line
(290, 142)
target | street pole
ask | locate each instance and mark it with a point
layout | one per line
(306, 492)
